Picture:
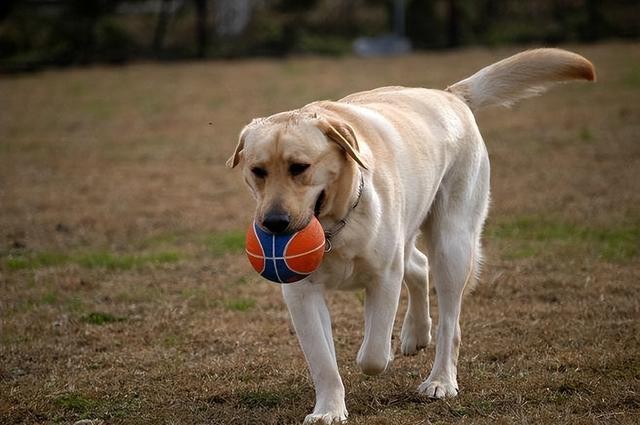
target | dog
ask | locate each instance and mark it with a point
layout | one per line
(379, 168)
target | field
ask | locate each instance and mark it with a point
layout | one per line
(125, 297)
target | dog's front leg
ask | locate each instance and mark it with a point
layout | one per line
(312, 324)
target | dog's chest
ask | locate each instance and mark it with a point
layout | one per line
(340, 272)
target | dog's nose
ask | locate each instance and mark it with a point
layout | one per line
(276, 222)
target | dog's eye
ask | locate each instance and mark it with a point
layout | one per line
(297, 169)
(259, 172)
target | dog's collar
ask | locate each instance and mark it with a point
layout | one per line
(336, 228)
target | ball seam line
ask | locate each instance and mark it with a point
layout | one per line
(275, 264)
(284, 258)
(264, 263)
(292, 257)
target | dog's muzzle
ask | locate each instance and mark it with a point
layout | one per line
(276, 222)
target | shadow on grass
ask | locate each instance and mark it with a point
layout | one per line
(266, 405)
(292, 404)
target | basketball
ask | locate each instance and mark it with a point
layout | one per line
(285, 258)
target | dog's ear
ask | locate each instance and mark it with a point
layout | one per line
(341, 133)
(235, 158)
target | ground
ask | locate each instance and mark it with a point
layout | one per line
(125, 297)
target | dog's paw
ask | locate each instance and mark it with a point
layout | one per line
(326, 418)
(414, 337)
(438, 389)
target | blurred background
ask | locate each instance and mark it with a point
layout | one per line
(37, 33)
(125, 294)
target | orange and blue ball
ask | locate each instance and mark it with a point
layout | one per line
(286, 258)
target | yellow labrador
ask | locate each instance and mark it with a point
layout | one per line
(378, 168)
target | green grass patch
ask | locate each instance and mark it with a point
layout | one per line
(76, 403)
(171, 341)
(532, 236)
(99, 318)
(632, 78)
(38, 260)
(240, 304)
(50, 298)
(585, 135)
(231, 241)
(84, 407)
(91, 260)
(110, 261)
(264, 399)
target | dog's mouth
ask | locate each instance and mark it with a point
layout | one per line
(318, 207)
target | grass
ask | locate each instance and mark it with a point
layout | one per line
(127, 299)
(171, 341)
(263, 399)
(109, 261)
(533, 236)
(50, 298)
(586, 135)
(75, 403)
(80, 406)
(632, 78)
(42, 259)
(226, 242)
(90, 260)
(97, 318)
(240, 304)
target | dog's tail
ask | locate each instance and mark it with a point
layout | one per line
(520, 76)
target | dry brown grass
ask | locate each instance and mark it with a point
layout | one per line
(125, 298)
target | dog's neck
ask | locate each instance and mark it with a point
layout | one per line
(348, 200)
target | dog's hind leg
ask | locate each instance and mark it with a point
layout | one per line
(416, 328)
(380, 308)
(452, 233)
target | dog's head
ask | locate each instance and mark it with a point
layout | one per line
(295, 164)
